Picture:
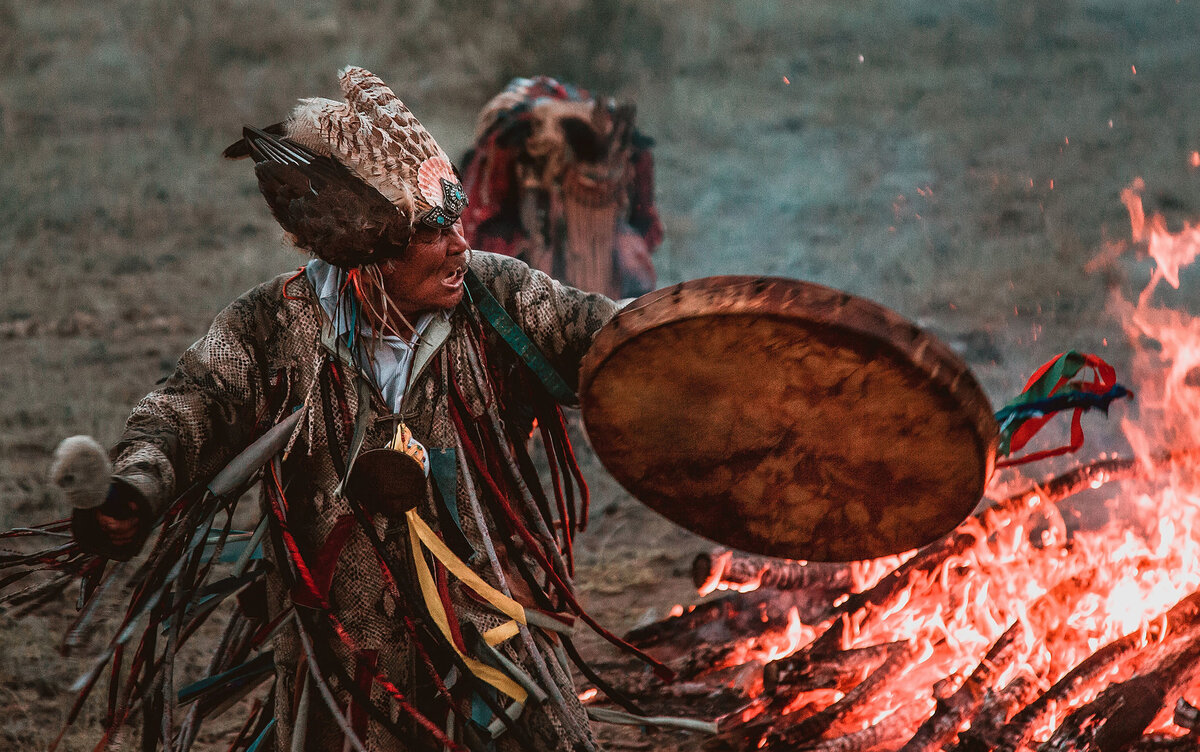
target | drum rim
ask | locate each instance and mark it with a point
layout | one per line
(634, 319)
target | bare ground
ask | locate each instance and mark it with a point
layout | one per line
(960, 163)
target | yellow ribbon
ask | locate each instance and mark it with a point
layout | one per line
(420, 533)
(459, 568)
(497, 635)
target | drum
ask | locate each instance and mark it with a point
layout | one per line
(786, 418)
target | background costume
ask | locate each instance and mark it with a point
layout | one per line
(565, 182)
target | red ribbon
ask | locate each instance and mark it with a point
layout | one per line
(1104, 376)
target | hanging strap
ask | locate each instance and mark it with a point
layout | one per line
(519, 341)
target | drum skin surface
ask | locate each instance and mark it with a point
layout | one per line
(788, 419)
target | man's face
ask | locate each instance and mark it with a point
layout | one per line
(429, 277)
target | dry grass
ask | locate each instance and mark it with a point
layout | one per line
(908, 157)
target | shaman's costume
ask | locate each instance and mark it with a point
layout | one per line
(431, 615)
(274, 351)
(565, 182)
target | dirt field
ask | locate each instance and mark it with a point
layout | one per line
(959, 162)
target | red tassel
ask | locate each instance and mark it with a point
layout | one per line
(290, 280)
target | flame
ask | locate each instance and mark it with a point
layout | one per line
(714, 580)
(794, 635)
(1171, 251)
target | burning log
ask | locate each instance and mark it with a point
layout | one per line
(881, 735)
(1121, 713)
(953, 711)
(725, 632)
(1186, 716)
(841, 671)
(735, 571)
(997, 709)
(826, 722)
(1165, 743)
(725, 608)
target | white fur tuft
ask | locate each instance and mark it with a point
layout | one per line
(82, 472)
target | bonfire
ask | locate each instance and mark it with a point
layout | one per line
(1019, 630)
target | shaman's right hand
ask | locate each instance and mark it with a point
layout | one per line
(110, 517)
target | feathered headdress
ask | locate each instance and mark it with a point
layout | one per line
(349, 180)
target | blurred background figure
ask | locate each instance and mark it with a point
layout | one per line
(564, 181)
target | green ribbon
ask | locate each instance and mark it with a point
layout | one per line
(520, 343)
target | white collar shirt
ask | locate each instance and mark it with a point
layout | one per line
(391, 364)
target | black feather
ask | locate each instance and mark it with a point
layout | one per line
(331, 212)
(240, 149)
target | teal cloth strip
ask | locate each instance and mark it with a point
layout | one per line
(443, 468)
(520, 343)
(261, 737)
(258, 666)
(481, 714)
(235, 549)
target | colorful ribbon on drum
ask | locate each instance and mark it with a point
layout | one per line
(1069, 381)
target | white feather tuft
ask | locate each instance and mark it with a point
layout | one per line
(307, 124)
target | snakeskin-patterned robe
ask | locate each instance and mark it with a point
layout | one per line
(270, 353)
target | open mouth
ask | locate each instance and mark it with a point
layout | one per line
(456, 277)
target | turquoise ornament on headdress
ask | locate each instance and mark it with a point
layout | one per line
(440, 188)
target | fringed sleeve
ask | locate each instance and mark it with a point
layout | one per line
(206, 411)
